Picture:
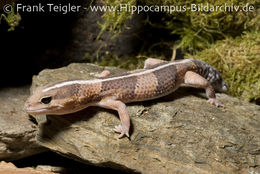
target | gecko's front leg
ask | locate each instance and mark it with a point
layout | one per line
(120, 107)
(194, 79)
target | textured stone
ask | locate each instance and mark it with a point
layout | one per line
(9, 168)
(17, 132)
(179, 133)
(55, 169)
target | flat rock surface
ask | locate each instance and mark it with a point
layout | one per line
(179, 133)
(17, 132)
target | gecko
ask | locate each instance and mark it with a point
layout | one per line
(158, 78)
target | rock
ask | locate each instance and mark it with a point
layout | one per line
(17, 132)
(9, 168)
(179, 133)
(55, 169)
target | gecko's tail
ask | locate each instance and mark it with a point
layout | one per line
(211, 74)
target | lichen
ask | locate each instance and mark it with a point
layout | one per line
(238, 60)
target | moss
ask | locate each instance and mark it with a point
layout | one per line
(110, 59)
(115, 20)
(12, 19)
(197, 30)
(238, 60)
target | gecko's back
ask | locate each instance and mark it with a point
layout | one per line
(158, 80)
(153, 82)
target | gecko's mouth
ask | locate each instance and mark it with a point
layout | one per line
(35, 111)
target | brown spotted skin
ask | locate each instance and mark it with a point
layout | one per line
(123, 89)
(166, 80)
(89, 93)
(145, 86)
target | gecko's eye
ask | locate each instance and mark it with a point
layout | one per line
(46, 100)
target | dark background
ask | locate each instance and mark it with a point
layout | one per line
(52, 40)
(24, 51)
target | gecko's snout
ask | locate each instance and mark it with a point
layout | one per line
(27, 105)
(225, 87)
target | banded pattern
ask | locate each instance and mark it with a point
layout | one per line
(166, 79)
(143, 85)
(146, 86)
(156, 81)
(122, 88)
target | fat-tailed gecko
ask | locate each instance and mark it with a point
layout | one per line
(158, 78)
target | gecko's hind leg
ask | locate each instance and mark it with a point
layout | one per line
(195, 80)
(151, 62)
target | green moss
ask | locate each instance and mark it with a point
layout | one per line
(197, 30)
(238, 60)
(12, 19)
(112, 60)
(115, 20)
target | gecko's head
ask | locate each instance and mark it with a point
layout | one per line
(47, 100)
(219, 84)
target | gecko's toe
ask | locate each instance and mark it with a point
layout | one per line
(215, 102)
(122, 130)
(121, 135)
(118, 129)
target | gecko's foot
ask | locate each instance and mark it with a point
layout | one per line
(104, 74)
(215, 102)
(123, 130)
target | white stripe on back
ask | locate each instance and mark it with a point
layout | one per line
(82, 82)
